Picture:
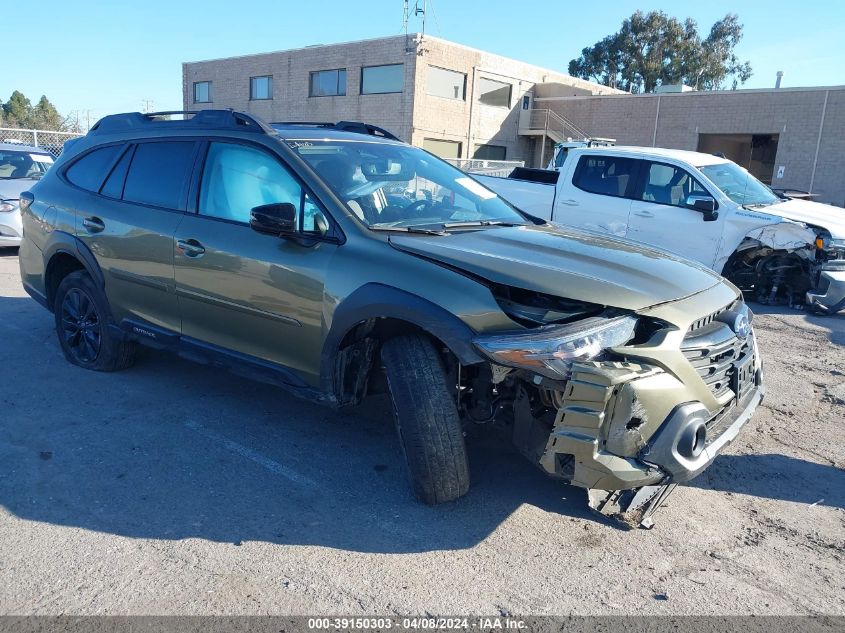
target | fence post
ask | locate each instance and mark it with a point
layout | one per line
(34, 137)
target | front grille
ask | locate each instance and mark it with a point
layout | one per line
(715, 351)
(707, 320)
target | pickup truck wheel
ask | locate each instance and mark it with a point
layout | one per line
(426, 419)
(82, 318)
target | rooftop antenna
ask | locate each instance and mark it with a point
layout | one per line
(416, 11)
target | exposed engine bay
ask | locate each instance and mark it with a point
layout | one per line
(777, 276)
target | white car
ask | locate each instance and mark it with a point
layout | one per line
(702, 207)
(20, 166)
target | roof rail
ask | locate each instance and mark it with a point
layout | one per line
(205, 119)
(344, 126)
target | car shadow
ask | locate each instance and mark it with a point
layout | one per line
(775, 476)
(172, 450)
(833, 323)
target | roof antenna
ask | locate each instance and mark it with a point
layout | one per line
(417, 11)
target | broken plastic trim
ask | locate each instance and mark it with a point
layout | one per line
(630, 508)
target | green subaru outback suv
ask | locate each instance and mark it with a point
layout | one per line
(337, 262)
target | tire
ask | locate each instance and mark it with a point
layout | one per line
(426, 418)
(82, 319)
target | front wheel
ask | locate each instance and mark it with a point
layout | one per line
(426, 419)
(82, 319)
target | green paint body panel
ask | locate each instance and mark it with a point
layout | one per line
(278, 299)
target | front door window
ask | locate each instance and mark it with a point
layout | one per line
(237, 178)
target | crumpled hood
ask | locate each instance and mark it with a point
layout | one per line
(566, 263)
(824, 215)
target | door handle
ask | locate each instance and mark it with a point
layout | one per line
(569, 203)
(93, 224)
(644, 214)
(190, 248)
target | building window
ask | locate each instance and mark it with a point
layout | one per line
(328, 83)
(490, 152)
(494, 93)
(202, 92)
(442, 148)
(382, 79)
(446, 83)
(261, 88)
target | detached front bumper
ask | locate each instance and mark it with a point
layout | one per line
(605, 436)
(629, 432)
(832, 298)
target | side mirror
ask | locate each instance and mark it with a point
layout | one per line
(278, 218)
(705, 205)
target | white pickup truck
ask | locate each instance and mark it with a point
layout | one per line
(700, 206)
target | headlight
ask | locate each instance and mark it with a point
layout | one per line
(550, 351)
(833, 252)
(7, 206)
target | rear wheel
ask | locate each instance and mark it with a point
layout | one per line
(426, 419)
(82, 319)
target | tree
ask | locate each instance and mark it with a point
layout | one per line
(654, 48)
(17, 111)
(45, 116)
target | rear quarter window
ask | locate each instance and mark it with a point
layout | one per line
(605, 175)
(89, 171)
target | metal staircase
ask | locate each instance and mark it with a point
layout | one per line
(544, 122)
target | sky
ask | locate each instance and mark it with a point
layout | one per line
(98, 58)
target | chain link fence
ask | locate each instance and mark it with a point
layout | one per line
(45, 139)
(501, 168)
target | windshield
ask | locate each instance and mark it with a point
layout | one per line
(399, 187)
(21, 164)
(739, 185)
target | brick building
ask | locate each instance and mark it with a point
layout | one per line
(460, 102)
(454, 100)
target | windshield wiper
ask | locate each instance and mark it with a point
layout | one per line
(409, 229)
(460, 225)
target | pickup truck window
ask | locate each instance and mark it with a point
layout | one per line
(668, 184)
(605, 175)
(739, 185)
(391, 186)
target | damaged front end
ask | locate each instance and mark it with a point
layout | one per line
(792, 264)
(590, 406)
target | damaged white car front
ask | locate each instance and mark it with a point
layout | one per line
(778, 250)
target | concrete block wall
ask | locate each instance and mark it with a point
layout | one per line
(291, 76)
(468, 121)
(413, 114)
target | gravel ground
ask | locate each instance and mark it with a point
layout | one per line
(172, 488)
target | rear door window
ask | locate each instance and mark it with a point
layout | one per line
(89, 171)
(159, 173)
(605, 175)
